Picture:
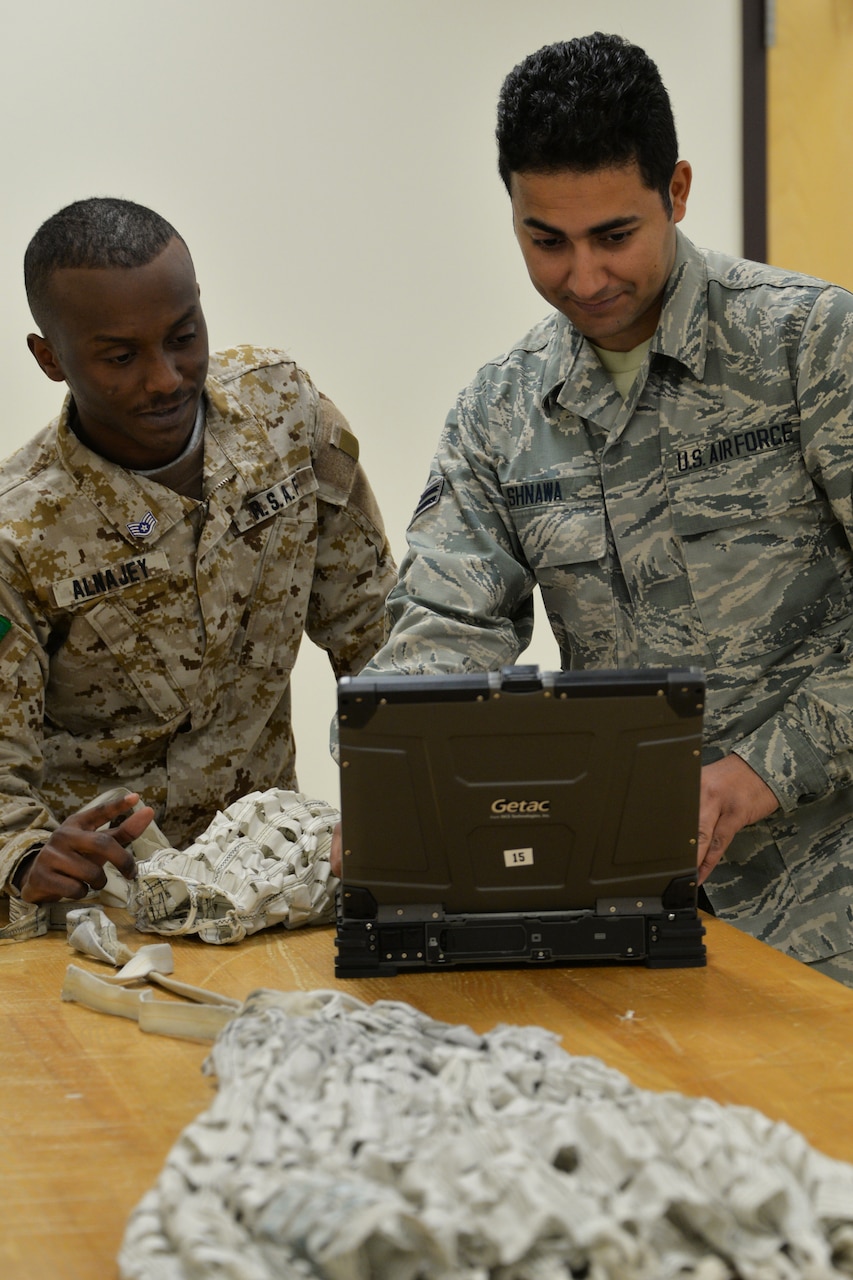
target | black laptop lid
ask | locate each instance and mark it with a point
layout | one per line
(520, 790)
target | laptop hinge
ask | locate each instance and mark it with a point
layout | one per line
(420, 911)
(645, 906)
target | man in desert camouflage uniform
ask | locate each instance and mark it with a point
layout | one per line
(164, 544)
(669, 458)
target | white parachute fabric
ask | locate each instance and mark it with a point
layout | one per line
(263, 861)
(355, 1142)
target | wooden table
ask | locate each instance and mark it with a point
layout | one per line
(91, 1105)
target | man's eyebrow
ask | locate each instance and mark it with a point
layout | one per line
(601, 228)
(108, 339)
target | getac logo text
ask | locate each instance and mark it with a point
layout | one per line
(521, 806)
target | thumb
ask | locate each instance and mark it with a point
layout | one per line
(133, 825)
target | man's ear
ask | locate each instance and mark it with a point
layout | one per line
(45, 357)
(679, 189)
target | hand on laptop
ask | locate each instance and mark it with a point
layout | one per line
(732, 796)
(336, 853)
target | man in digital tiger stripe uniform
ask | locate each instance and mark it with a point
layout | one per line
(668, 457)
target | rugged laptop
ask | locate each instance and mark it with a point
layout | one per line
(519, 818)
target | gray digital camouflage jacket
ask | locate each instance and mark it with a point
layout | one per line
(707, 520)
(147, 639)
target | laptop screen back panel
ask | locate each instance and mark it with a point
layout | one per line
(513, 793)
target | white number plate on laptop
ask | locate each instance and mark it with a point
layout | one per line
(518, 857)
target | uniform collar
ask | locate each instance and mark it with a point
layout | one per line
(682, 332)
(239, 460)
(124, 500)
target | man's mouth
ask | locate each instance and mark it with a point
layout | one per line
(593, 306)
(172, 408)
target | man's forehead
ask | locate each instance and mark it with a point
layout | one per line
(172, 260)
(627, 176)
(80, 295)
(590, 200)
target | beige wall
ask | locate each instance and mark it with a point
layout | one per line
(810, 151)
(331, 164)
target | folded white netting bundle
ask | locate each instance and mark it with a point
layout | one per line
(356, 1142)
(263, 861)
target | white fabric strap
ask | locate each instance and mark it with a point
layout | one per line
(91, 932)
(26, 920)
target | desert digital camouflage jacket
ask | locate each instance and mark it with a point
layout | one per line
(149, 639)
(705, 520)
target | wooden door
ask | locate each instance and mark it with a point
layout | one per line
(810, 138)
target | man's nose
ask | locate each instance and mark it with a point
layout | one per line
(587, 277)
(162, 376)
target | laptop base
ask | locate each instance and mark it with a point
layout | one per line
(374, 948)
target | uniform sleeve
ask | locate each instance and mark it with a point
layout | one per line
(354, 569)
(806, 750)
(25, 821)
(464, 597)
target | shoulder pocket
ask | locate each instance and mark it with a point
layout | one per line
(15, 645)
(279, 589)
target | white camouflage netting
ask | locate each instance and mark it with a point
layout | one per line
(356, 1142)
(263, 861)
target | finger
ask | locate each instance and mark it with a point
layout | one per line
(101, 814)
(103, 847)
(710, 846)
(122, 857)
(92, 848)
(53, 888)
(725, 830)
(336, 851)
(75, 889)
(706, 866)
(59, 874)
(705, 861)
(131, 827)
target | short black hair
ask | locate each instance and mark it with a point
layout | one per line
(585, 104)
(99, 232)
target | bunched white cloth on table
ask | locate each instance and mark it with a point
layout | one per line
(263, 861)
(356, 1142)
